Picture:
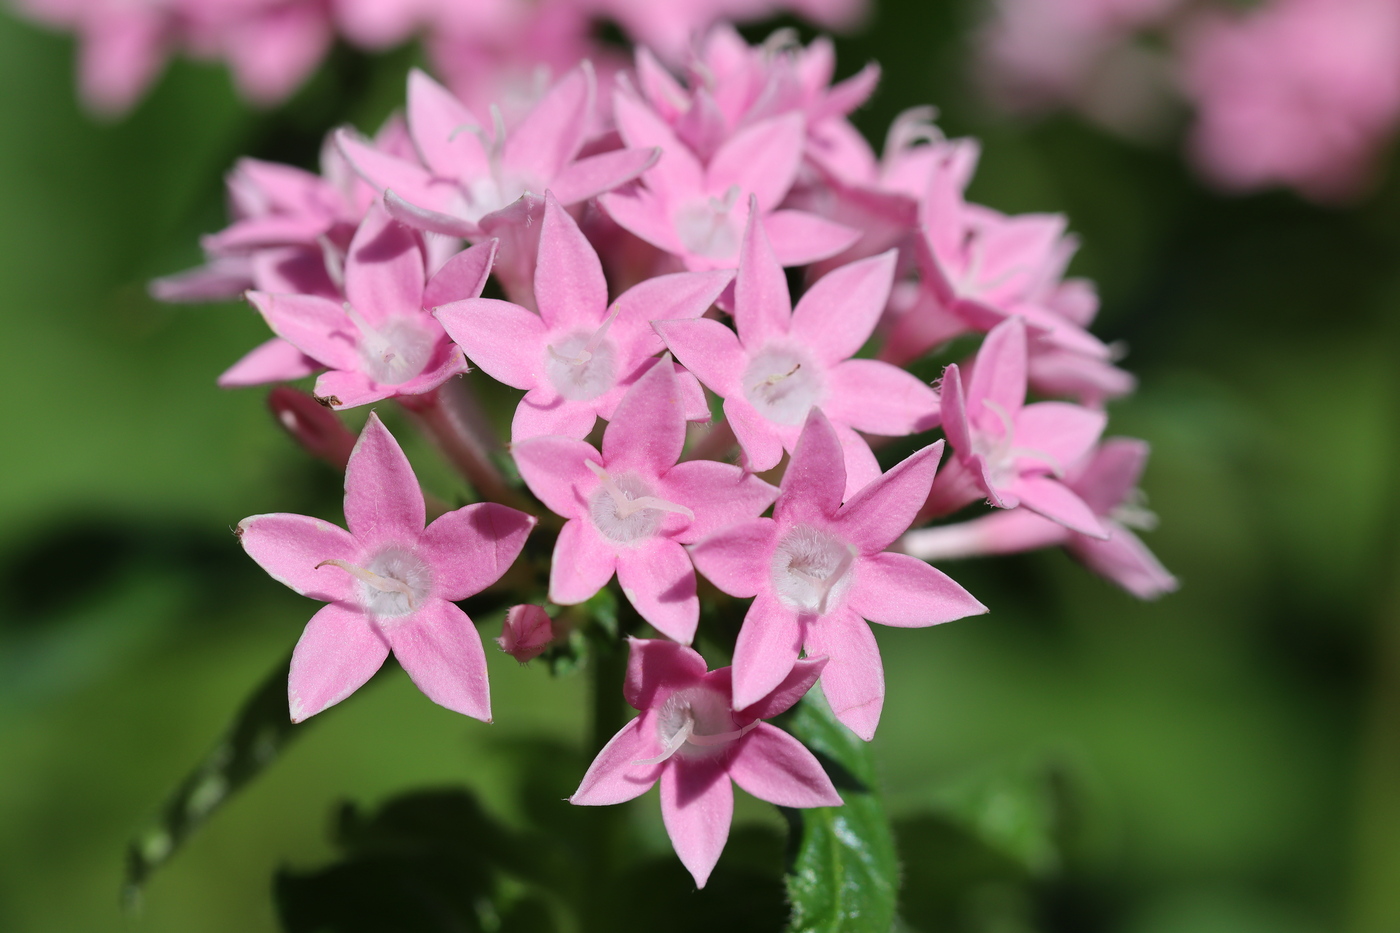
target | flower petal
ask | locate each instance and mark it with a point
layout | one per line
(1126, 561)
(697, 806)
(709, 350)
(896, 589)
(884, 510)
(289, 547)
(462, 276)
(590, 177)
(655, 665)
(273, 361)
(658, 580)
(647, 432)
(569, 287)
(471, 547)
(793, 688)
(614, 776)
(853, 679)
(556, 471)
(736, 559)
(316, 326)
(762, 303)
(441, 651)
(838, 314)
(544, 412)
(762, 159)
(768, 645)
(549, 136)
(504, 340)
(878, 398)
(999, 376)
(720, 495)
(583, 563)
(338, 651)
(815, 481)
(1055, 500)
(774, 766)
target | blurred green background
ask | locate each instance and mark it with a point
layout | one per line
(1231, 752)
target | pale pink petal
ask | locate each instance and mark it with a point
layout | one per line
(383, 502)
(1111, 473)
(1126, 561)
(384, 272)
(677, 170)
(736, 559)
(119, 56)
(1062, 432)
(878, 398)
(678, 296)
(463, 276)
(504, 340)
(768, 646)
(773, 766)
(220, 278)
(422, 218)
(273, 361)
(862, 468)
(762, 304)
(884, 510)
(471, 547)
(583, 563)
(339, 650)
(762, 443)
(838, 314)
(659, 581)
(555, 470)
(342, 389)
(569, 286)
(412, 182)
(543, 412)
(440, 649)
(720, 495)
(999, 376)
(853, 679)
(647, 432)
(590, 177)
(793, 688)
(441, 127)
(1054, 500)
(270, 54)
(290, 548)
(697, 806)
(953, 409)
(641, 213)
(799, 238)
(655, 665)
(896, 589)
(761, 159)
(815, 481)
(709, 350)
(315, 326)
(550, 135)
(614, 776)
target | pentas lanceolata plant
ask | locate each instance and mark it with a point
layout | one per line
(673, 390)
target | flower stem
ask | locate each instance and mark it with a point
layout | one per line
(449, 420)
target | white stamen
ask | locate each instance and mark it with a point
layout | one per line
(395, 353)
(335, 262)
(627, 505)
(695, 722)
(1001, 454)
(394, 583)
(811, 569)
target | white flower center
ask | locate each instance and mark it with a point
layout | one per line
(485, 194)
(1000, 452)
(624, 509)
(709, 228)
(396, 351)
(581, 366)
(394, 583)
(696, 723)
(783, 384)
(812, 569)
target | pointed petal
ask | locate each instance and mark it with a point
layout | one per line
(590, 177)
(414, 183)
(853, 679)
(550, 135)
(884, 510)
(678, 296)
(799, 238)
(583, 563)
(289, 547)
(697, 806)
(761, 442)
(793, 688)
(657, 667)
(768, 645)
(384, 273)
(463, 276)
(896, 589)
(569, 285)
(762, 304)
(838, 314)
(440, 649)
(862, 468)
(709, 350)
(659, 581)
(440, 126)
(1055, 500)
(614, 776)
(952, 405)
(773, 766)
(315, 326)
(471, 547)
(879, 398)
(422, 218)
(642, 214)
(736, 559)
(1111, 473)
(1126, 561)
(554, 469)
(677, 172)
(1063, 432)
(543, 412)
(999, 376)
(647, 432)
(339, 650)
(273, 361)
(504, 340)
(383, 501)
(815, 480)
(720, 495)
(342, 389)
(761, 159)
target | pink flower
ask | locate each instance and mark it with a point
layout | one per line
(1107, 482)
(632, 507)
(381, 342)
(578, 356)
(691, 740)
(818, 569)
(1304, 93)
(1007, 451)
(783, 362)
(390, 583)
(671, 27)
(525, 632)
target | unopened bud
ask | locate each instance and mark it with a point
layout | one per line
(312, 425)
(526, 632)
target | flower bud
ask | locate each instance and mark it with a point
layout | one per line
(526, 632)
(311, 425)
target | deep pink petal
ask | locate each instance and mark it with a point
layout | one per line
(569, 285)
(342, 389)
(884, 510)
(799, 238)
(793, 688)
(384, 273)
(555, 470)
(952, 402)
(289, 547)
(550, 135)
(762, 304)
(338, 651)
(761, 159)
(853, 679)
(590, 177)
(697, 806)
(1126, 561)
(773, 766)
(658, 580)
(896, 589)
(720, 495)
(998, 376)
(441, 129)
(614, 776)
(815, 481)
(383, 502)
(647, 432)
(273, 361)
(759, 437)
(878, 398)
(1055, 500)
(316, 326)
(736, 559)
(709, 350)
(862, 468)
(470, 548)
(768, 645)
(1062, 432)
(440, 649)
(838, 314)
(678, 296)
(462, 276)
(504, 340)
(656, 668)
(543, 412)
(583, 563)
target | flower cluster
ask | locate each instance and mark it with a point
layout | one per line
(642, 240)
(1300, 93)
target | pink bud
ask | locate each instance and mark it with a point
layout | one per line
(312, 426)
(526, 632)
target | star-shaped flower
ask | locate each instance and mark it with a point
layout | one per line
(578, 356)
(783, 362)
(390, 583)
(690, 739)
(818, 569)
(632, 507)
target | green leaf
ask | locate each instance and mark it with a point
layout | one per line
(844, 874)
